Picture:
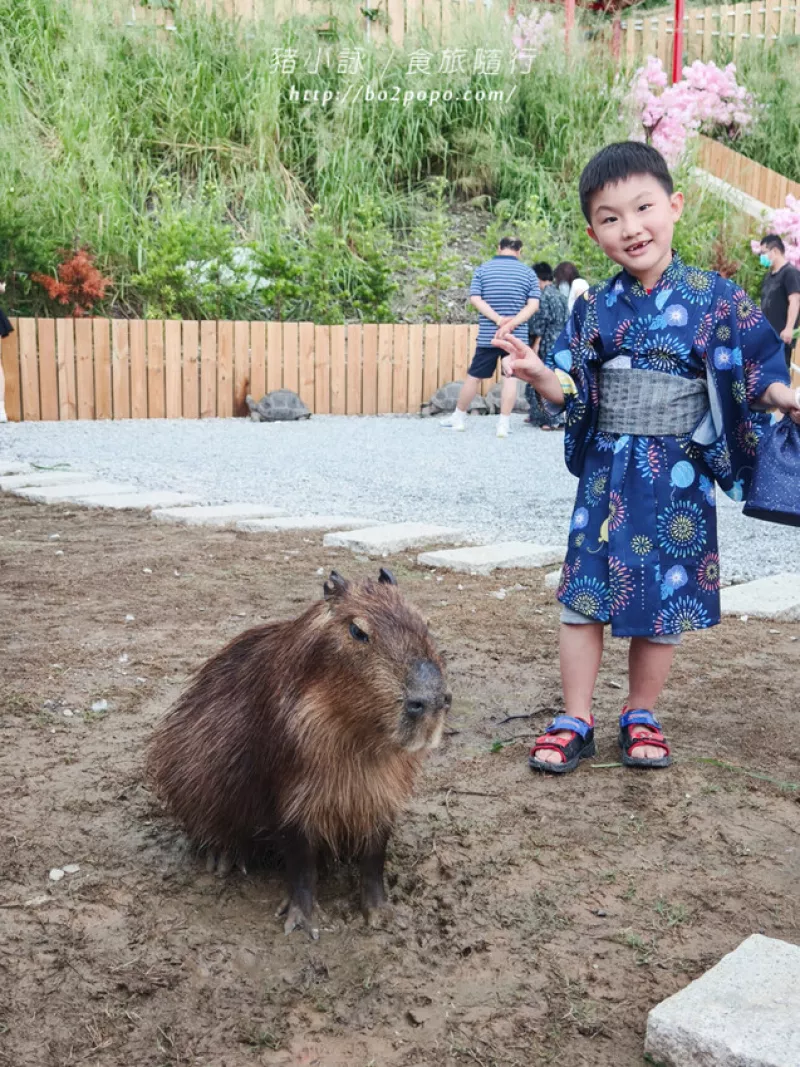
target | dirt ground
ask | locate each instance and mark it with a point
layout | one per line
(538, 919)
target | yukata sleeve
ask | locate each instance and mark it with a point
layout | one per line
(577, 359)
(743, 358)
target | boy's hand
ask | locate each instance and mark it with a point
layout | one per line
(521, 361)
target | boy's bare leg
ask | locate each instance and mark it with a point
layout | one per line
(467, 394)
(581, 649)
(508, 396)
(648, 667)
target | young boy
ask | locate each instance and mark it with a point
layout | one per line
(660, 370)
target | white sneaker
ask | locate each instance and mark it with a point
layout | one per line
(457, 421)
(503, 428)
(3, 416)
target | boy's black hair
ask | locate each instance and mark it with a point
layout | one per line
(773, 241)
(513, 243)
(619, 161)
(543, 271)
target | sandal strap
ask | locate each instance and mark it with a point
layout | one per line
(638, 717)
(648, 739)
(567, 722)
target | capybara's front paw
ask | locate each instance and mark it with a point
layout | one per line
(298, 917)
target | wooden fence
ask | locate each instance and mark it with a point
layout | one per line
(745, 174)
(392, 18)
(707, 31)
(120, 369)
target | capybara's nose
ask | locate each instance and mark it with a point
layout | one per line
(425, 689)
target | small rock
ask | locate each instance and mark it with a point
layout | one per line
(615, 685)
(68, 712)
(177, 574)
(56, 874)
(141, 681)
(792, 638)
(744, 618)
(100, 705)
(500, 594)
(123, 658)
(60, 552)
(439, 578)
(774, 631)
(146, 570)
(320, 571)
(599, 913)
(71, 868)
(460, 586)
(54, 537)
(130, 618)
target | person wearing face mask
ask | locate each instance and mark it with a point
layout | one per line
(780, 292)
(5, 329)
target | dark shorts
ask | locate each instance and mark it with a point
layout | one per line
(484, 362)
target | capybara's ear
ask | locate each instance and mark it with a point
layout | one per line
(335, 586)
(386, 577)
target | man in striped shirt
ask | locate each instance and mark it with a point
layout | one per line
(506, 294)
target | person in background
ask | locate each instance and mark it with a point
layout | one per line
(780, 292)
(567, 278)
(506, 293)
(5, 329)
(544, 328)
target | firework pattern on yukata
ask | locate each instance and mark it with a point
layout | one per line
(642, 549)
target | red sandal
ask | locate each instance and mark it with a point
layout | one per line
(573, 749)
(629, 738)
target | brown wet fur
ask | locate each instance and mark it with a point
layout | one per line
(538, 919)
(297, 725)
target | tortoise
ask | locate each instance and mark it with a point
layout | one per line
(521, 405)
(281, 405)
(445, 399)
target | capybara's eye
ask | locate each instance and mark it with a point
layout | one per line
(358, 633)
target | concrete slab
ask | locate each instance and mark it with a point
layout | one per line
(142, 501)
(483, 559)
(552, 580)
(23, 481)
(302, 522)
(8, 467)
(776, 597)
(216, 514)
(741, 1013)
(395, 537)
(55, 494)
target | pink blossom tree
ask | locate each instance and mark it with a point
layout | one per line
(706, 100)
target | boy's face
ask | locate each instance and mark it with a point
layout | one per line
(633, 222)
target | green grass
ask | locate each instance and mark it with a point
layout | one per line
(153, 148)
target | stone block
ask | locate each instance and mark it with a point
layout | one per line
(395, 537)
(483, 559)
(776, 597)
(744, 1012)
(301, 522)
(216, 514)
(35, 478)
(59, 494)
(143, 500)
(9, 467)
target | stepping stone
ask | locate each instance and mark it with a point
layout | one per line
(8, 467)
(23, 481)
(54, 494)
(142, 501)
(552, 580)
(741, 1013)
(483, 559)
(215, 514)
(301, 522)
(395, 537)
(776, 597)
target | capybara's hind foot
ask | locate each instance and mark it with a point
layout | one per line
(298, 918)
(222, 863)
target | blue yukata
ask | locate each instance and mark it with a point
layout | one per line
(643, 549)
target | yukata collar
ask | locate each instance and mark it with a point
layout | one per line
(676, 269)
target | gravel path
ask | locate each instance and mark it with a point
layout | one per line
(393, 468)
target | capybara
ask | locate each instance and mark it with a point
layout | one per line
(306, 735)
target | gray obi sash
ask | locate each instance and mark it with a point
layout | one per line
(650, 403)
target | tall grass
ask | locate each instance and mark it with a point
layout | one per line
(117, 136)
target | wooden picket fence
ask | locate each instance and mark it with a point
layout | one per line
(745, 174)
(119, 368)
(392, 18)
(708, 30)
